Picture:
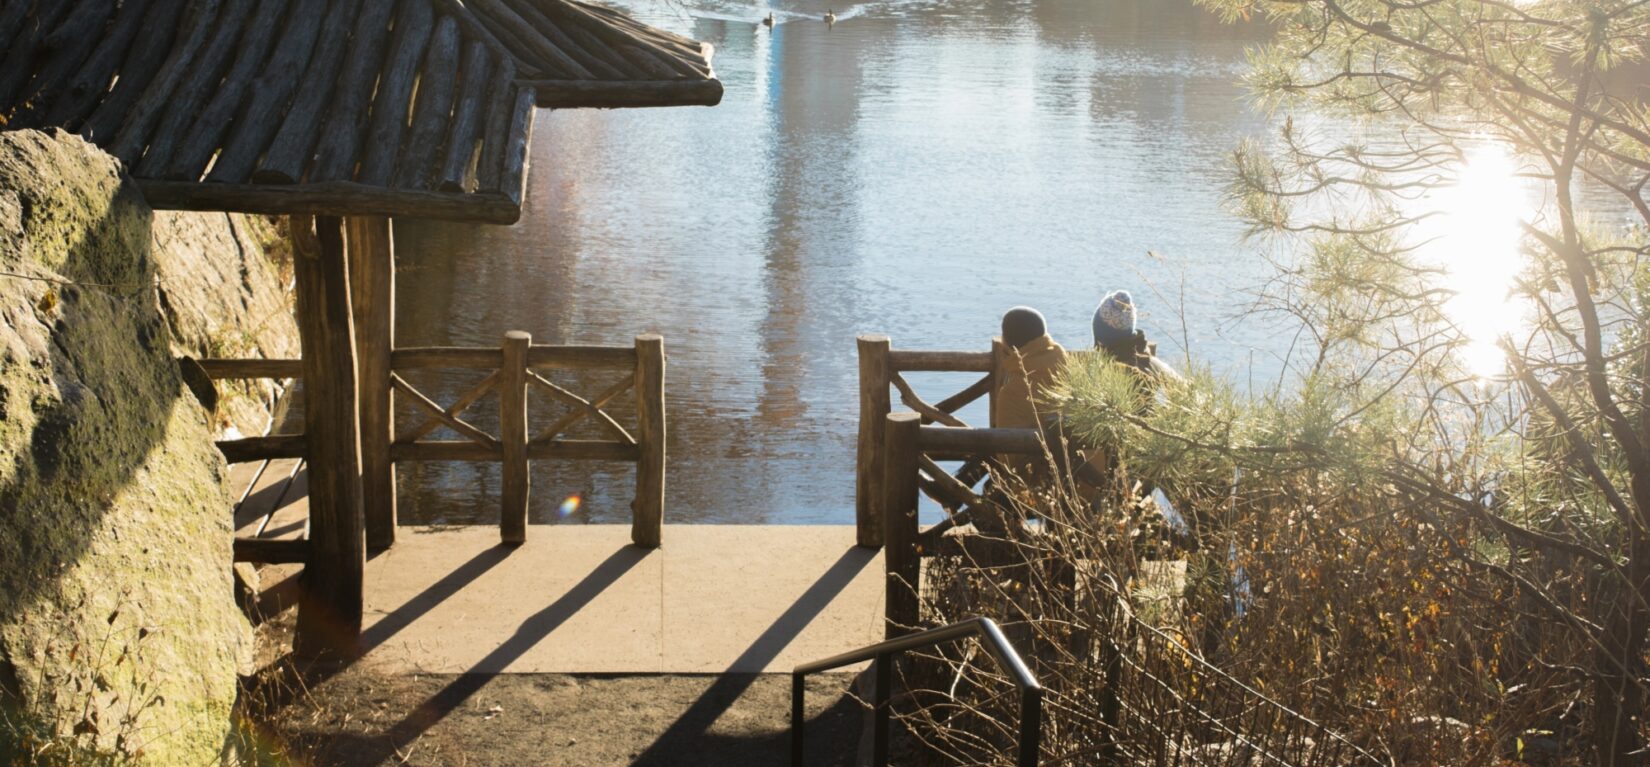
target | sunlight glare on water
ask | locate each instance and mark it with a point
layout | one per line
(1479, 246)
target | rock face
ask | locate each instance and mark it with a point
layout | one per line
(118, 630)
(222, 297)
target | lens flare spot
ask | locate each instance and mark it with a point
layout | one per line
(571, 504)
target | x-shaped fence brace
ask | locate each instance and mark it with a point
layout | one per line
(580, 408)
(953, 492)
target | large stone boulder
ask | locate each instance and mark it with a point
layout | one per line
(222, 296)
(119, 635)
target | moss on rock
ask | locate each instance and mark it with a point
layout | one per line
(119, 635)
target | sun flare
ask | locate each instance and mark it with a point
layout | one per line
(1479, 247)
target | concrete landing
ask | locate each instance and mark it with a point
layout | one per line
(581, 599)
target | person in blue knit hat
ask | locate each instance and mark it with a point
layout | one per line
(1114, 324)
(1115, 334)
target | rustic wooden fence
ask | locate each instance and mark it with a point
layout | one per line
(882, 367)
(515, 370)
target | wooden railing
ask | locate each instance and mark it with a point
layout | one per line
(911, 451)
(265, 448)
(882, 367)
(518, 367)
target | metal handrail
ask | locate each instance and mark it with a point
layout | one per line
(883, 653)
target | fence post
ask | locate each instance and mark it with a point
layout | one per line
(874, 405)
(372, 278)
(512, 432)
(648, 510)
(329, 610)
(999, 355)
(904, 566)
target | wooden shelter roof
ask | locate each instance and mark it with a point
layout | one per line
(336, 107)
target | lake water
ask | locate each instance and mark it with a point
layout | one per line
(914, 170)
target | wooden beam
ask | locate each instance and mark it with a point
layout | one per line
(437, 85)
(445, 417)
(338, 146)
(143, 61)
(538, 356)
(582, 357)
(289, 153)
(903, 565)
(513, 175)
(905, 360)
(951, 442)
(561, 449)
(475, 358)
(601, 67)
(371, 244)
(392, 99)
(500, 99)
(648, 510)
(90, 83)
(329, 613)
(220, 369)
(267, 551)
(650, 55)
(65, 50)
(512, 420)
(208, 125)
(874, 406)
(16, 61)
(457, 174)
(598, 49)
(546, 52)
(334, 197)
(263, 448)
(135, 125)
(604, 94)
(12, 18)
(581, 405)
(1001, 362)
(272, 90)
(468, 398)
(191, 96)
(574, 415)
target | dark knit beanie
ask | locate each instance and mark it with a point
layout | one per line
(1022, 325)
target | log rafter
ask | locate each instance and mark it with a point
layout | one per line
(310, 107)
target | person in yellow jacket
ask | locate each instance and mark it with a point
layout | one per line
(1019, 400)
(1034, 360)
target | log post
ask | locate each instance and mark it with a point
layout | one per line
(903, 564)
(512, 432)
(874, 405)
(372, 280)
(999, 363)
(648, 510)
(329, 613)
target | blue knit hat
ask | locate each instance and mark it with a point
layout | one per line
(1114, 320)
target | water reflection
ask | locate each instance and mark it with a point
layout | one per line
(1477, 241)
(914, 169)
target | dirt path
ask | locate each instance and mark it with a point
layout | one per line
(357, 718)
